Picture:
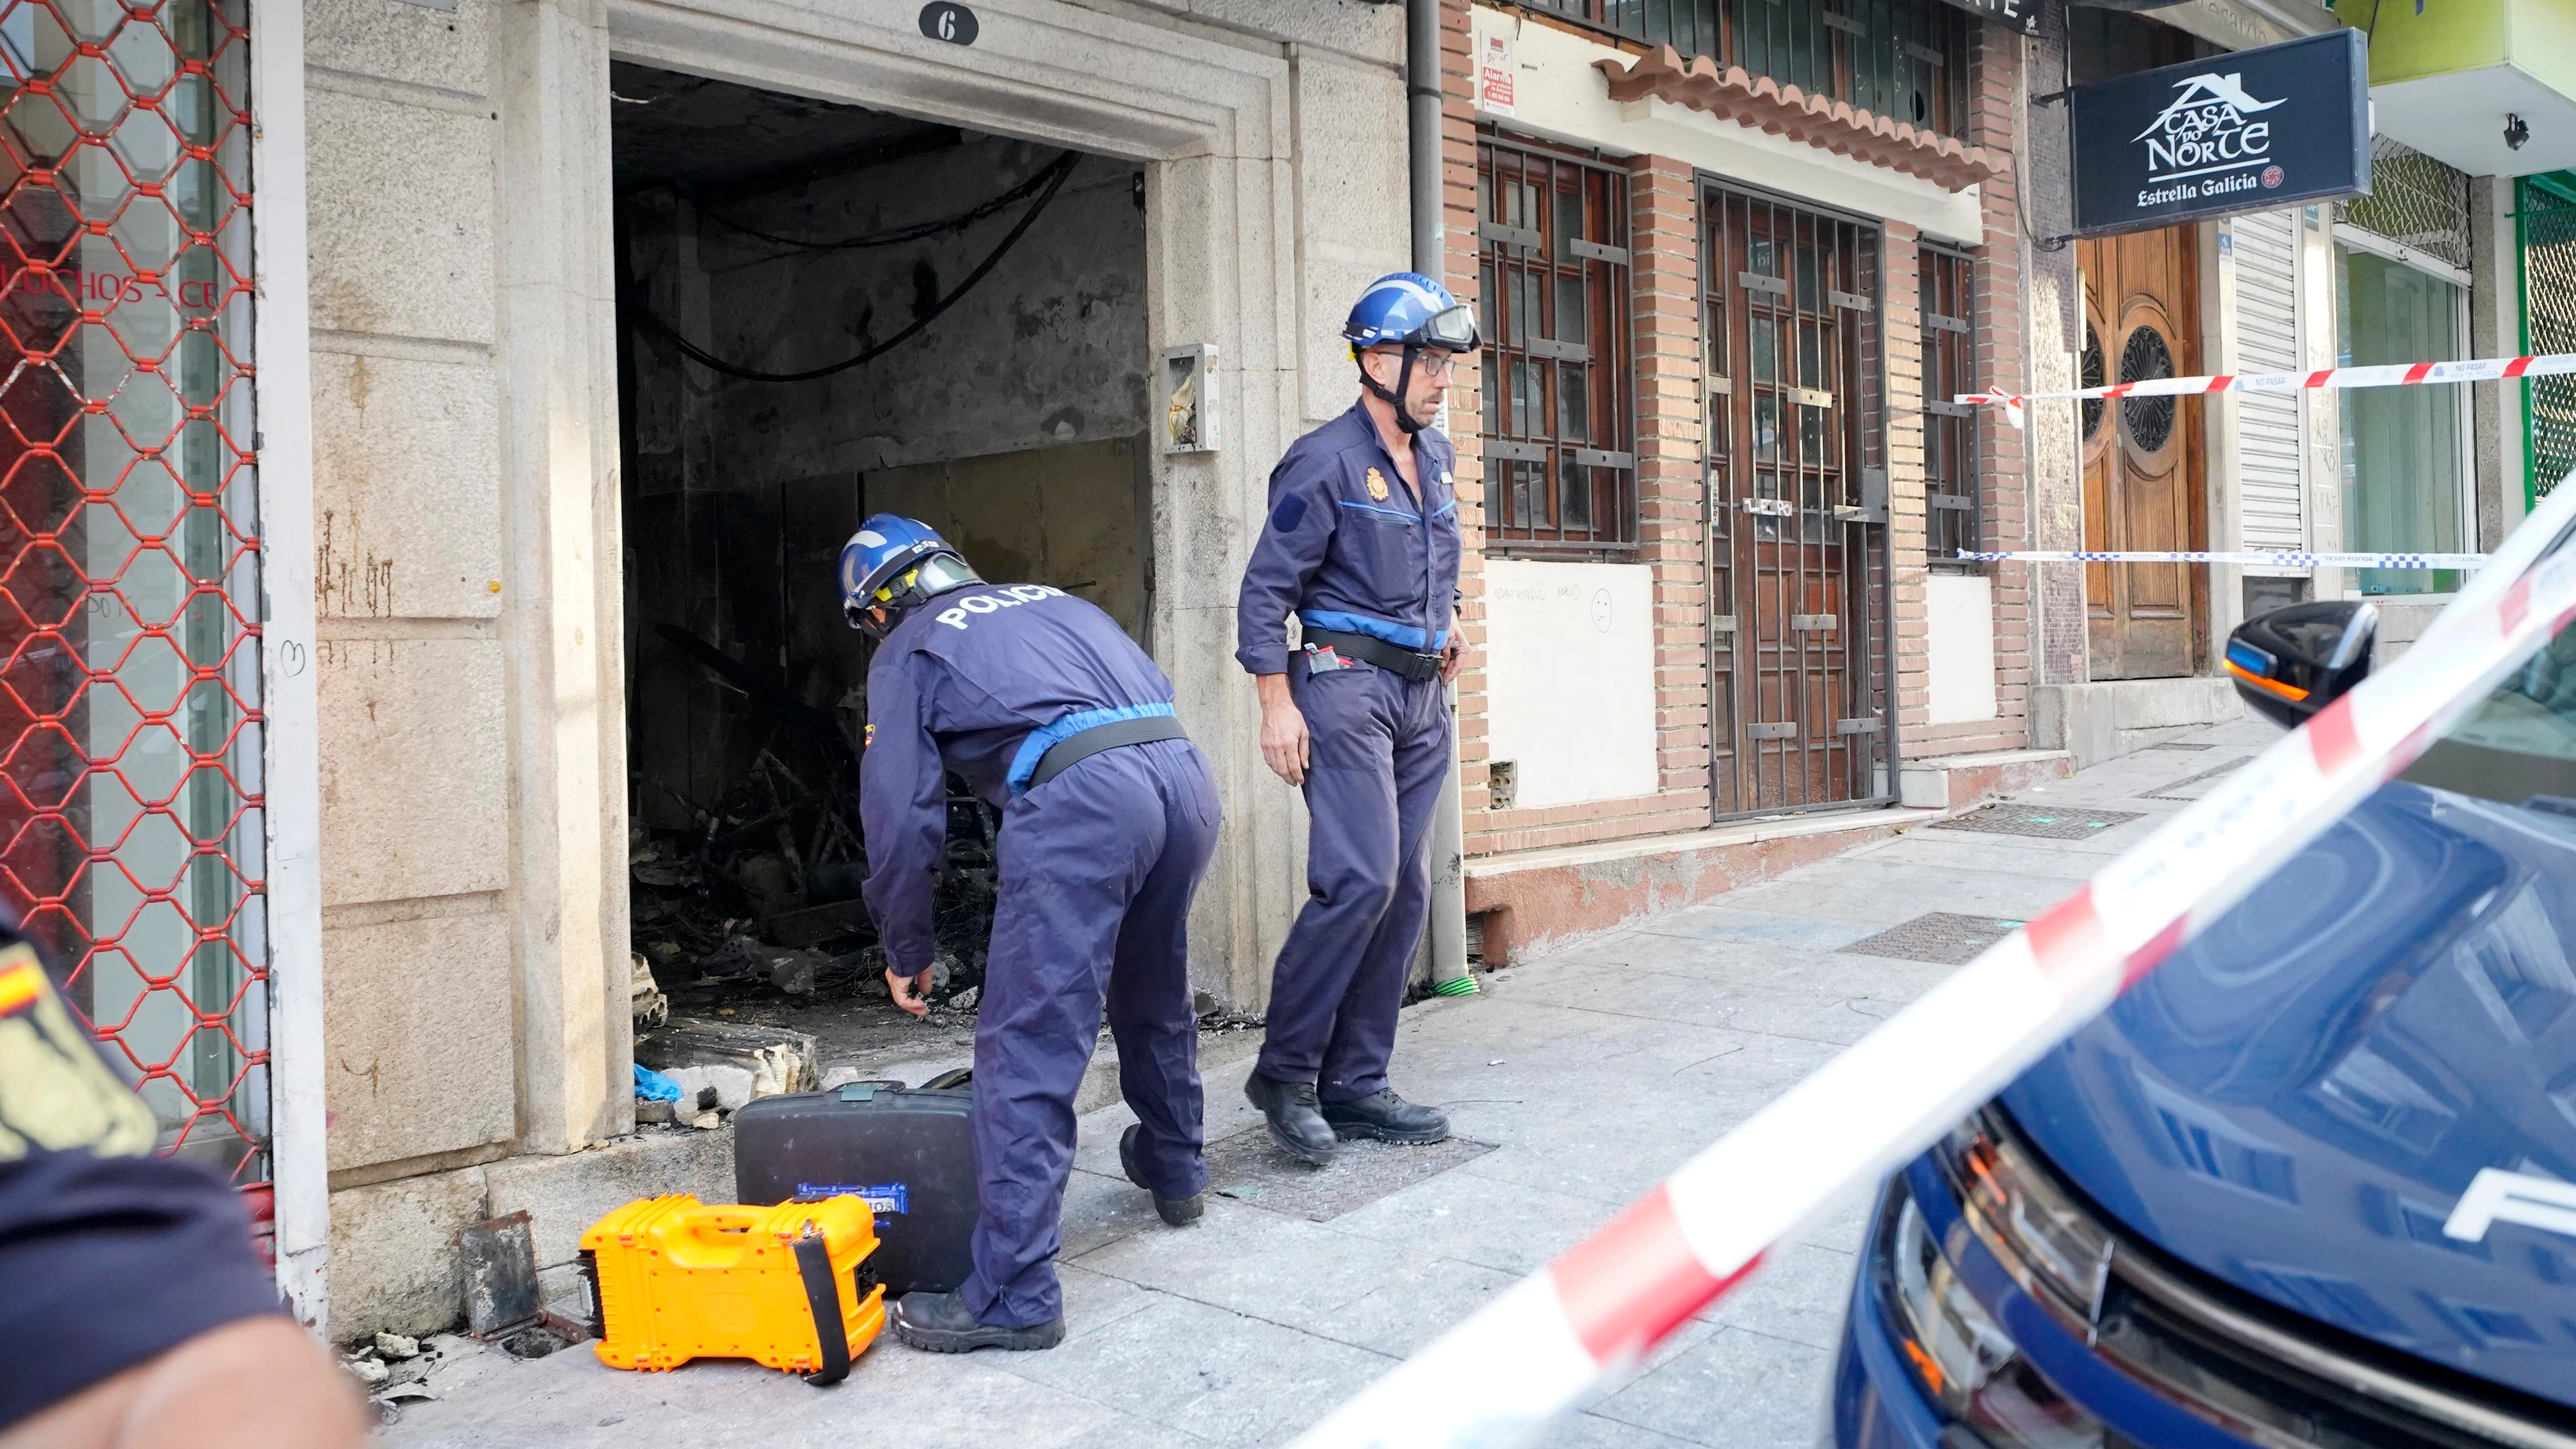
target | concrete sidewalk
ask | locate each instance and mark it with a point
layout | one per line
(1577, 1080)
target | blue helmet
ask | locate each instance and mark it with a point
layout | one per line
(1412, 309)
(895, 564)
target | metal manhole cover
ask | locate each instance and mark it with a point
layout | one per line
(2047, 822)
(1247, 1167)
(2197, 785)
(1940, 937)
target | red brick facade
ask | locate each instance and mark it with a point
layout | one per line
(1670, 435)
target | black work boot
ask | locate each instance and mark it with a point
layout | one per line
(1295, 1125)
(1388, 1118)
(1180, 1212)
(942, 1323)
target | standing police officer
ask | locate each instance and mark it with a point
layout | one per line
(1362, 545)
(1047, 709)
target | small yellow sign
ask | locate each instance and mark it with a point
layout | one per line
(1377, 485)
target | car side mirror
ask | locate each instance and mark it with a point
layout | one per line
(2293, 662)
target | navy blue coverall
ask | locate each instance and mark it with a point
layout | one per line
(1347, 547)
(1097, 869)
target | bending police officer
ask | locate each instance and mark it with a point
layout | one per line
(1045, 708)
(1361, 544)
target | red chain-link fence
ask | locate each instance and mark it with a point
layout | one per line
(130, 787)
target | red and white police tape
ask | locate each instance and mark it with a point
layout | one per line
(2395, 374)
(1500, 1376)
(2253, 558)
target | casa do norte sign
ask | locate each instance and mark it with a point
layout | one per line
(2252, 130)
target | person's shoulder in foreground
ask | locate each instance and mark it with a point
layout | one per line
(134, 1309)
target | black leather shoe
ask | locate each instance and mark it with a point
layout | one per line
(1388, 1118)
(942, 1323)
(1180, 1212)
(1295, 1125)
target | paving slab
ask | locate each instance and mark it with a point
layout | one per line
(1580, 1076)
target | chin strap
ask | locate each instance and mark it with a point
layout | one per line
(1395, 399)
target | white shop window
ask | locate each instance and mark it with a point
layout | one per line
(2407, 468)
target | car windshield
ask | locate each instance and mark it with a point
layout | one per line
(2518, 746)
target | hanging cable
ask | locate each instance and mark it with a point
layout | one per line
(918, 231)
(1054, 177)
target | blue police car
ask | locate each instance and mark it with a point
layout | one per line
(2309, 1185)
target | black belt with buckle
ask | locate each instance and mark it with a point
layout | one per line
(1395, 658)
(1072, 750)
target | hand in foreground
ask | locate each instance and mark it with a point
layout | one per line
(912, 993)
(1452, 659)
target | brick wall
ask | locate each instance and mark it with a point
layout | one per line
(1664, 218)
(1994, 122)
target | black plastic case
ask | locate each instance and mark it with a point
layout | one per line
(908, 1151)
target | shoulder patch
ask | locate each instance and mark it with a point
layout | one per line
(55, 1092)
(1290, 512)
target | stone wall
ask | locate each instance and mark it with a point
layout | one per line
(472, 582)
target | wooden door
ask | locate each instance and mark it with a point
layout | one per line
(1797, 545)
(2143, 479)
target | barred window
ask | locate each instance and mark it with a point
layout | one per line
(1559, 378)
(1906, 60)
(1950, 493)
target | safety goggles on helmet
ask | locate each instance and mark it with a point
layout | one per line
(936, 574)
(893, 564)
(1451, 330)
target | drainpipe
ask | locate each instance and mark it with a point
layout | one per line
(1448, 925)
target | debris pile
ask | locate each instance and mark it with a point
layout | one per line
(757, 901)
(390, 1369)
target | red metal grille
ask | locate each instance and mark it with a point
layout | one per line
(130, 790)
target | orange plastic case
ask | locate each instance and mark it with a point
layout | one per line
(678, 1279)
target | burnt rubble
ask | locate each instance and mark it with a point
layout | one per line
(755, 907)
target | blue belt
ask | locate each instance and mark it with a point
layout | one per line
(1403, 636)
(1049, 752)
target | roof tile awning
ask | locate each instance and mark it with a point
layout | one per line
(1786, 110)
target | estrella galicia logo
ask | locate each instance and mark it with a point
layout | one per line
(2206, 131)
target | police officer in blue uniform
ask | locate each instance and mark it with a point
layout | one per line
(1045, 707)
(1361, 544)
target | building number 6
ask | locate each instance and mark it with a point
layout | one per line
(949, 22)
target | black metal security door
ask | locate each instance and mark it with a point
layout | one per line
(1797, 507)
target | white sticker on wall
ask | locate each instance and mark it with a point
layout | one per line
(1497, 76)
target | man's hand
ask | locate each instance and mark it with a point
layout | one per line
(912, 993)
(1284, 747)
(1453, 657)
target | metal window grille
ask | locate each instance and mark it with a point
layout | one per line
(1906, 60)
(130, 796)
(1796, 506)
(2545, 234)
(2414, 200)
(1950, 494)
(1559, 377)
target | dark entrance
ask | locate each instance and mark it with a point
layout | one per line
(827, 311)
(1797, 507)
(2142, 458)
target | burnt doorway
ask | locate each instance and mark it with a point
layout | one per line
(2143, 471)
(827, 311)
(1796, 506)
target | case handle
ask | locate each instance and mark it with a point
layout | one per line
(823, 1296)
(708, 1220)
